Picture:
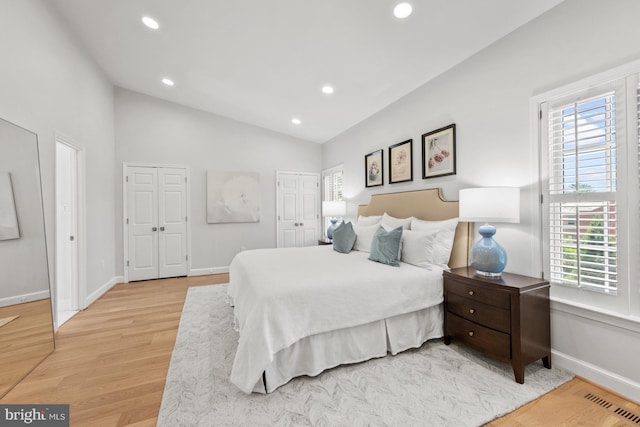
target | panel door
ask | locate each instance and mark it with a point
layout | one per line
(298, 209)
(172, 222)
(287, 210)
(142, 200)
(308, 212)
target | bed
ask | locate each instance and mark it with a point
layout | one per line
(300, 311)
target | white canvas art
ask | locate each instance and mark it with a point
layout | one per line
(8, 218)
(233, 197)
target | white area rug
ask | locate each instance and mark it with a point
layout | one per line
(435, 385)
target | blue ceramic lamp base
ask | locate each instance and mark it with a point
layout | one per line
(488, 258)
(331, 228)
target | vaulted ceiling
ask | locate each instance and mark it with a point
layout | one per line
(265, 62)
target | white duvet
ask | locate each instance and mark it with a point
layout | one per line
(283, 295)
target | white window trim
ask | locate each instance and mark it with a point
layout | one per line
(628, 307)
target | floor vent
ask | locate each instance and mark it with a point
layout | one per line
(630, 416)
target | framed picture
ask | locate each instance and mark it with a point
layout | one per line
(233, 197)
(401, 162)
(373, 169)
(439, 152)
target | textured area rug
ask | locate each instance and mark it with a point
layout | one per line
(434, 385)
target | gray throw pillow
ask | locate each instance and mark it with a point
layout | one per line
(385, 246)
(343, 238)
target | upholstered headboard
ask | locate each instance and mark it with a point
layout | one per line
(428, 205)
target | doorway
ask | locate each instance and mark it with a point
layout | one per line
(67, 276)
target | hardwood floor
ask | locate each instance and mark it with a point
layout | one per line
(111, 361)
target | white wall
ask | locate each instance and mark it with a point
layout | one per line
(488, 98)
(48, 85)
(150, 130)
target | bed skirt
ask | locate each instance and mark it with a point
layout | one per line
(314, 354)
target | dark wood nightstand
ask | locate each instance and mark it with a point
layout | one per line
(324, 242)
(506, 318)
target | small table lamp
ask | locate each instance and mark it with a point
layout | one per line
(490, 204)
(333, 209)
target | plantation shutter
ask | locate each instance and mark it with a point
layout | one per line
(583, 190)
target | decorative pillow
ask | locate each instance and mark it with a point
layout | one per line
(364, 235)
(393, 222)
(343, 238)
(417, 248)
(385, 246)
(445, 231)
(369, 220)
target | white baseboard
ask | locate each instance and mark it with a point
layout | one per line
(19, 299)
(207, 271)
(101, 290)
(621, 385)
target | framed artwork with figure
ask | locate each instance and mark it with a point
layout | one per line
(373, 169)
(401, 162)
(439, 152)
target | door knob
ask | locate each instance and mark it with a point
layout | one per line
(154, 229)
(161, 228)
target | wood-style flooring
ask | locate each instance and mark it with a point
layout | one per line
(111, 362)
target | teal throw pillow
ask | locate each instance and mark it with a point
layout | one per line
(343, 238)
(385, 246)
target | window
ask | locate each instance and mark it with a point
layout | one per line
(589, 142)
(582, 193)
(332, 187)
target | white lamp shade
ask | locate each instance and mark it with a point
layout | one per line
(490, 204)
(334, 208)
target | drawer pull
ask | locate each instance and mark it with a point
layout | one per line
(472, 310)
(471, 292)
(471, 333)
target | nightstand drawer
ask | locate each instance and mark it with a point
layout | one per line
(478, 293)
(483, 314)
(493, 343)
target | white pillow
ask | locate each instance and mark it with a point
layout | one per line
(364, 236)
(417, 248)
(393, 222)
(445, 231)
(369, 220)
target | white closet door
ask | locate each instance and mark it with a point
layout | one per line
(287, 210)
(298, 213)
(172, 222)
(156, 222)
(143, 223)
(309, 212)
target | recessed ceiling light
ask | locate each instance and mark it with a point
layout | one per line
(402, 10)
(327, 89)
(168, 82)
(150, 22)
(296, 121)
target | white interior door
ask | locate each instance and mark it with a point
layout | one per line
(142, 203)
(287, 210)
(67, 275)
(156, 222)
(172, 222)
(298, 213)
(309, 212)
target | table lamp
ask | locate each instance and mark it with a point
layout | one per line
(489, 204)
(333, 209)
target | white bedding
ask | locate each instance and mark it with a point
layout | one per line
(283, 295)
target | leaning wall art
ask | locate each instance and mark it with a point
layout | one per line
(233, 197)
(8, 218)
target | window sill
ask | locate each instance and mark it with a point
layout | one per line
(629, 322)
